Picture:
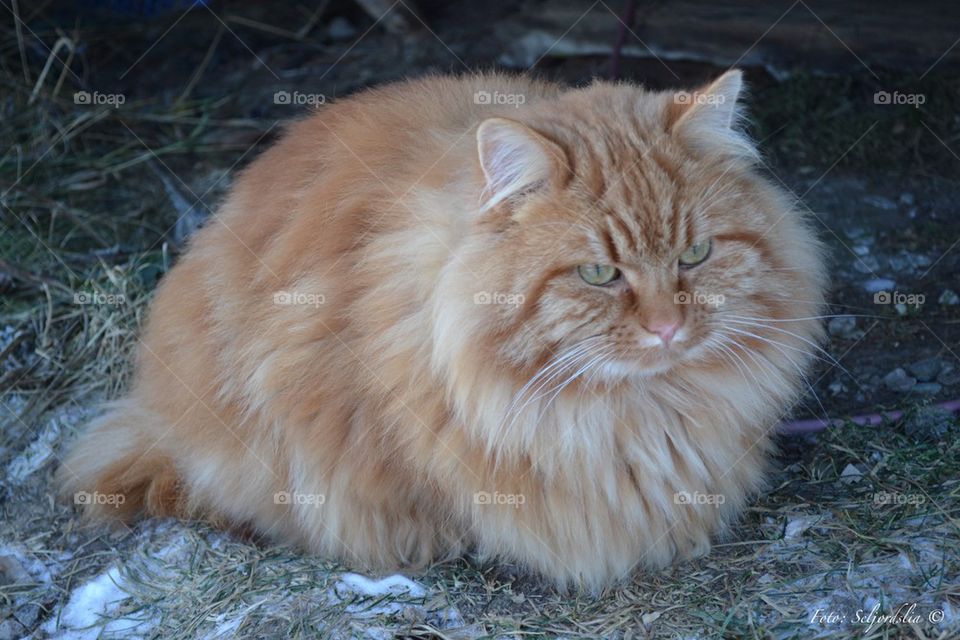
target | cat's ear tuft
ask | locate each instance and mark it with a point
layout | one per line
(515, 159)
(710, 117)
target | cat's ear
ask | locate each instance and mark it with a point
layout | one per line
(709, 118)
(515, 159)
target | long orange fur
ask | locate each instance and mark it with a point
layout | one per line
(380, 348)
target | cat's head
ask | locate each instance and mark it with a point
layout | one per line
(625, 233)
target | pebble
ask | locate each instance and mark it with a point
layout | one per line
(949, 375)
(927, 388)
(876, 285)
(850, 474)
(842, 326)
(341, 29)
(925, 370)
(907, 199)
(907, 261)
(866, 264)
(899, 380)
(880, 202)
(949, 296)
(860, 235)
(798, 525)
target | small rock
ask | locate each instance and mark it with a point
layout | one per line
(949, 297)
(925, 370)
(866, 264)
(909, 261)
(899, 380)
(850, 474)
(920, 260)
(876, 285)
(842, 326)
(927, 388)
(860, 235)
(796, 526)
(899, 263)
(929, 423)
(341, 29)
(650, 618)
(861, 249)
(901, 308)
(880, 202)
(949, 375)
(907, 199)
(837, 388)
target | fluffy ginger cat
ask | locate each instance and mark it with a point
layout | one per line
(551, 326)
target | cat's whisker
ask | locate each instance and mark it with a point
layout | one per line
(725, 349)
(563, 363)
(560, 387)
(829, 356)
(777, 345)
(801, 318)
(555, 366)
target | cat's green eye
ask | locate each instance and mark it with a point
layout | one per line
(696, 254)
(598, 274)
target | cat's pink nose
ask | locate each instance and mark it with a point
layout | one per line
(666, 329)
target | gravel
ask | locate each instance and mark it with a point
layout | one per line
(899, 380)
(925, 370)
(876, 285)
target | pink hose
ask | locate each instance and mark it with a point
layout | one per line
(871, 419)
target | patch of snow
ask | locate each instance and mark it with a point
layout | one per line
(39, 452)
(24, 564)
(798, 525)
(82, 618)
(370, 598)
(391, 585)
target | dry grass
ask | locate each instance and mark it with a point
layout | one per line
(82, 212)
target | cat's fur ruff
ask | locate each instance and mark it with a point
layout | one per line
(382, 417)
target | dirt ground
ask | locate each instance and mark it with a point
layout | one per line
(98, 192)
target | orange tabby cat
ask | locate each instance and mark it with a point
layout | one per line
(555, 326)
